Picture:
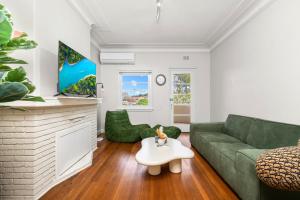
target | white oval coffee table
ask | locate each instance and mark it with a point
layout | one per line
(153, 156)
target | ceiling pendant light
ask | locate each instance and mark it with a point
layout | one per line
(158, 7)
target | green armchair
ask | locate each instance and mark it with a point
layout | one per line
(119, 129)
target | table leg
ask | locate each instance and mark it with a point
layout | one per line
(175, 166)
(154, 170)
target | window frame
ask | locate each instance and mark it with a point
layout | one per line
(120, 96)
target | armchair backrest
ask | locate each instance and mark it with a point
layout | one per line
(116, 118)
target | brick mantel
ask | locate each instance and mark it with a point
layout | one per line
(28, 143)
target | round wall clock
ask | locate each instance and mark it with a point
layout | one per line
(160, 79)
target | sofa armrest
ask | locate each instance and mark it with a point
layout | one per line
(245, 160)
(207, 127)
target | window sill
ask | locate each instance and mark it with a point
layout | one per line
(148, 109)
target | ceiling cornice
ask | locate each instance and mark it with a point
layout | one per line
(155, 49)
(232, 26)
(81, 12)
(152, 47)
(244, 12)
(229, 20)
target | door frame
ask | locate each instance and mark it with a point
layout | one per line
(191, 70)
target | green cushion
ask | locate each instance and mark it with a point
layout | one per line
(268, 135)
(216, 137)
(207, 127)
(238, 126)
(201, 141)
(170, 131)
(224, 160)
(149, 132)
(119, 129)
(229, 149)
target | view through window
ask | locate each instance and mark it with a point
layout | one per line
(182, 98)
(135, 89)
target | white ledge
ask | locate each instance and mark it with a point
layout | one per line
(54, 102)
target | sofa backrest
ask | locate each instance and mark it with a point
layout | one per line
(238, 126)
(265, 134)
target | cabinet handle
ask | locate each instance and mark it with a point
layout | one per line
(77, 119)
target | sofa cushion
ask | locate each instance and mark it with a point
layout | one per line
(268, 135)
(229, 149)
(246, 159)
(216, 137)
(223, 159)
(238, 126)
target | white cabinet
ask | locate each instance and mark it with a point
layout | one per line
(72, 145)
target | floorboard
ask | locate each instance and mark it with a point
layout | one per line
(116, 175)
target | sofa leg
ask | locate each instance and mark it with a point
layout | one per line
(154, 170)
(175, 166)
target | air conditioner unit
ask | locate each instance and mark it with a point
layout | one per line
(117, 58)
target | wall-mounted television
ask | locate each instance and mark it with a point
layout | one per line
(76, 74)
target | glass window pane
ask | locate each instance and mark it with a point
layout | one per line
(135, 89)
(182, 99)
(181, 83)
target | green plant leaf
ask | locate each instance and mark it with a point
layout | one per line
(10, 60)
(7, 14)
(18, 43)
(1, 75)
(16, 75)
(3, 54)
(14, 85)
(12, 91)
(29, 86)
(4, 68)
(5, 27)
(33, 98)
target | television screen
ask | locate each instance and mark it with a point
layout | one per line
(76, 74)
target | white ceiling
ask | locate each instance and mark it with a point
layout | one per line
(183, 23)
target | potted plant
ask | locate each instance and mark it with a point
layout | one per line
(14, 84)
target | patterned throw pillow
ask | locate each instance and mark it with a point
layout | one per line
(280, 168)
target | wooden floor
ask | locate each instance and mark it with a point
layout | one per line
(116, 175)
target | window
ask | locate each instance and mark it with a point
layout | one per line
(135, 90)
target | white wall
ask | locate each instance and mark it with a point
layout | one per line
(56, 20)
(256, 71)
(22, 12)
(47, 22)
(159, 63)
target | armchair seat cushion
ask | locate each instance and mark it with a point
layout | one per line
(119, 129)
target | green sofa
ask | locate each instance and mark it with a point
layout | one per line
(170, 131)
(232, 148)
(119, 129)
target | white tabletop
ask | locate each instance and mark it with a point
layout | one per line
(150, 154)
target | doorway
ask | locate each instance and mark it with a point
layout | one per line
(181, 99)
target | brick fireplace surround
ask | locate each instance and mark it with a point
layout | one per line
(45, 144)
